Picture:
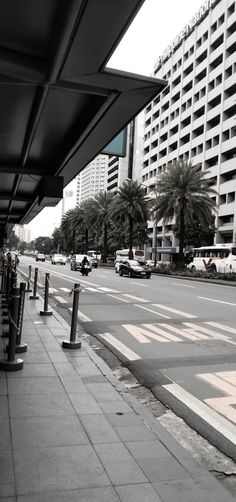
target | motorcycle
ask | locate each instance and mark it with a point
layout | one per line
(85, 269)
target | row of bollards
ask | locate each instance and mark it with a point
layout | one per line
(13, 300)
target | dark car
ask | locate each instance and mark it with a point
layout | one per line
(133, 268)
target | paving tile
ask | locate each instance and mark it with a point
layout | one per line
(73, 384)
(6, 468)
(99, 429)
(163, 469)
(40, 432)
(34, 370)
(84, 404)
(95, 379)
(106, 494)
(40, 405)
(115, 407)
(5, 437)
(4, 411)
(58, 468)
(184, 490)
(135, 433)
(120, 466)
(124, 419)
(147, 449)
(30, 385)
(65, 369)
(139, 493)
(36, 357)
(3, 386)
(84, 366)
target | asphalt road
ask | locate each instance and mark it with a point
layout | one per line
(178, 337)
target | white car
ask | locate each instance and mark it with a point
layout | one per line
(58, 258)
(117, 266)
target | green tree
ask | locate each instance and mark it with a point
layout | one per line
(98, 216)
(130, 205)
(183, 192)
(196, 233)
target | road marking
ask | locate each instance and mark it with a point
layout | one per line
(212, 334)
(224, 381)
(119, 298)
(60, 299)
(81, 316)
(221, 326)
(93, 290)
(108, 290)
(186, 333)
(174, 311)
(216, 421)
(52, 290)
(217, 301)
(135, 298)
(182, 285)
(165, 334)
(128, 353)
(152, 311)
(66, 290)
(139, 284)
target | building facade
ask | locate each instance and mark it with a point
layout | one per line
(92, 179)
(194, 118)
(23, 233)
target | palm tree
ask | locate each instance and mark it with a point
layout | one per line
(99, 216)
(130, 203)
(76, 220)
(183, 192)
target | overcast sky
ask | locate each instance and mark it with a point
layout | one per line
(153, 29)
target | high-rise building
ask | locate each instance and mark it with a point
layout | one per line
(23, 233)
(194, 118)
(92, 179)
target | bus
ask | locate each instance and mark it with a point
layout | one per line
(219, 258)
(94, 254)
(123, 254)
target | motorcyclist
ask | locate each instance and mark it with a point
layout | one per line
(84, 261)
(85, 266)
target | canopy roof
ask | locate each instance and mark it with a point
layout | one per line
(59, 103)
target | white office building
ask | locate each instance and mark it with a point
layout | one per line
(195, 116)
(23, 233)
(92, 179)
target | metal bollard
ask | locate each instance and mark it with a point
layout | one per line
(35, 296)
(29, 290)
(12, 364)
(7, 284)
(45, 310)
(21, 347)
(72, 343)
(4, 277)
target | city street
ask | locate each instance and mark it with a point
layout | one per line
(177, 336)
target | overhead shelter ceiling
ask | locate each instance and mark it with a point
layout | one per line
(59, 103)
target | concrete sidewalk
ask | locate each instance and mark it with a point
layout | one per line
(71, 432)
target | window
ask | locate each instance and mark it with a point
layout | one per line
(217, 61)
(213, 122)
(231, 9)
(217, 43)
(198, 113)
(214, 102)
(188, 70)
(201, 58)
(200, 76)
(231, 49)
(231, 91)
(231, 29)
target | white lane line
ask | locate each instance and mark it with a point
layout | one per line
(119, 298)
(219, 423)
(52, 290)
(108, 290)
(139, 284)
(182, 285)
(152, 311)
(60, 299)
(128, 353)
(217, 301)
(135, 298)
(221, 326)
(100, 275)
(93, 290)
(174, 311)
(66, 290)
(81, 316)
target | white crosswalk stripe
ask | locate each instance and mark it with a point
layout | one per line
(136, 298)
(108, 290)
(221, 326)
(123, 349)
(93, 290)
(52, 290)
(66, 290)
(60, 299)
(174, 311)
(81, 316)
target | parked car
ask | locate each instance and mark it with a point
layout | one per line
(58, 258)
(40, 257)
(132, 268)
(76, 261)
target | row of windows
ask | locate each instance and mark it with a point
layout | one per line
(201, 40)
